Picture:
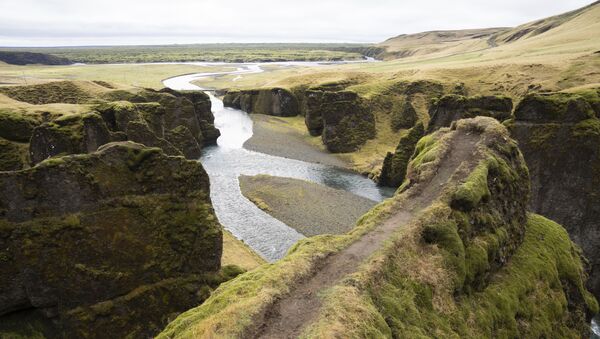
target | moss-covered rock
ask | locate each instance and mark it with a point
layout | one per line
(341, 117)
(139, 132)
(70, 134)
(560, 139)
(182, 139)
(53, 92)
(13, 155)
(114, 241)
(270, 101)
(395, 164)
(455, 107)
(405, 117)
(16, 126)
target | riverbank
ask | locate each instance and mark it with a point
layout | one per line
(283, 137)
(309, 208)
(236, 252)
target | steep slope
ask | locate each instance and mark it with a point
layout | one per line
(453, 255)
(108, 242)
(559, 134)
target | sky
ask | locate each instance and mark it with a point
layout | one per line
(121, 22)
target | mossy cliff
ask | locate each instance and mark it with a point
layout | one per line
(270, 101)
(112, 242)
(559, 135)
(470, 263)
(180, 123)
(395, 164)
(341, 117)
(453, 107)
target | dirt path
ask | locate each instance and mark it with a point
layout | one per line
(290, 315)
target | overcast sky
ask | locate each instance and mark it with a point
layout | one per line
(102, 22)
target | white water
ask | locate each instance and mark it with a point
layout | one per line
(228, 160)
(596, 328)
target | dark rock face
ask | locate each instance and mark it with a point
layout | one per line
(182, 139)
(156, 119)
(78, 133)
(114, 241)
(273, 101)
(16, 127)
(405, 117)
(559, 136)
(395, 164)
(341, 117)
(455, 107)
(139, 132)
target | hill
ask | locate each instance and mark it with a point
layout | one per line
(571, 32)
(29, 58)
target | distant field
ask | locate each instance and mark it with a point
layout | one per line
(148, 75)
(206, 52)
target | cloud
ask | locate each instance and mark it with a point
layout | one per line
(81, 22)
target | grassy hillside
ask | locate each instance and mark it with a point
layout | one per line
(571, 33)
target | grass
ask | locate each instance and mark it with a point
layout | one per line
(235, 252)
(232, 52)
(148, 75)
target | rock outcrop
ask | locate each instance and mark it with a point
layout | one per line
(114, 241)
(559, 135)
(71, 134)
(341, 117)
(455, 107)
(270, 101)
(180, 123)
(395, 164)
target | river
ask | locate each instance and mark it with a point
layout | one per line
(226, 161)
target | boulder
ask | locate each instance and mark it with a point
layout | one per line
(115, 241)
(70, 134)
(455, 107)
(394, 167)
(559, 136)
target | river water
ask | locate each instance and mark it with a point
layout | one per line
(228, 160)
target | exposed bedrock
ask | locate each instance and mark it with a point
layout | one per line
(455, 107)
(180, 123)
(114, 241)
(341, 117)
(395, 164)
(559, 135)
(270, 101)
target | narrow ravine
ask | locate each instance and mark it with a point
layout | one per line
(228, 160)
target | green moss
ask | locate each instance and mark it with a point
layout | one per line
(16, 126)
(475, 189)
(52, 92)
(13, 156)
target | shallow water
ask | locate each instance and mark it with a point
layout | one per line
(228, 160)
